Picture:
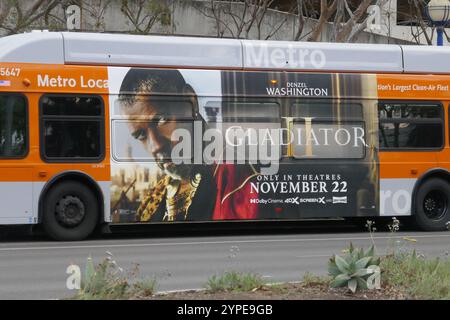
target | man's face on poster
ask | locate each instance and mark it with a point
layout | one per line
(153, 125)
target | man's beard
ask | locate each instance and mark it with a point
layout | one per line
(176, 171)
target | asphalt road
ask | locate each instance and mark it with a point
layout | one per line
(35, 268)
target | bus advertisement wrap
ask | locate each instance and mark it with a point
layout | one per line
(228, 145)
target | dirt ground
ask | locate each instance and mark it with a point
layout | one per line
(289, 291)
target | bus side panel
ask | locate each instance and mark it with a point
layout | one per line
(323, 179)
(16, 156)
(16, 197)
(444, 156)
(23, 179)
(400, 168)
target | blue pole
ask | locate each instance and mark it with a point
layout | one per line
(440, 36)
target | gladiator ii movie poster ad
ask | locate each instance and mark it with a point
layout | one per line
(202, 145)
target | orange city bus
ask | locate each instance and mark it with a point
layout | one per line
(102, 129)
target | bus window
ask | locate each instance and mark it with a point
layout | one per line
(246, 111)
(72, 128)
(250, 130)
(151, 126)
(133, 142)
(327, 130)
(13, 126)
(328, 140)
(329, 110)
(410, 126)
(146, 107)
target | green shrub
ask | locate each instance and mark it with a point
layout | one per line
(310, 279)
(145, 287)
(353, 269)
(108, 281)
(234, 281)
(419, 277)
(104, 281)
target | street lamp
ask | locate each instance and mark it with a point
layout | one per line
(438, 12)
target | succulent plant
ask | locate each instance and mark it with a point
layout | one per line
(353, 269)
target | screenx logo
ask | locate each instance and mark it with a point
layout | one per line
(320, 200)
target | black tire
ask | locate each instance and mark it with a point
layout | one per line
(432, 205)
(70, 211)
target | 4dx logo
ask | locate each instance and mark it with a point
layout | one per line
(292, 200)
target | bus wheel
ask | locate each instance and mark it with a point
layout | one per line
(70, 211)
(433, 205)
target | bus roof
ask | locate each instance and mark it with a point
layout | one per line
(191, 52)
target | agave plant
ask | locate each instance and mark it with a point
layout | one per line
(353, 269)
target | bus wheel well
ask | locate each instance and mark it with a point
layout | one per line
(440, 174)
(79, 177)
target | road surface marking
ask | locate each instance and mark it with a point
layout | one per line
(137, 245)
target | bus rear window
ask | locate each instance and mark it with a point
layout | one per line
(410, 125)
(411, 135)
(13, 126)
